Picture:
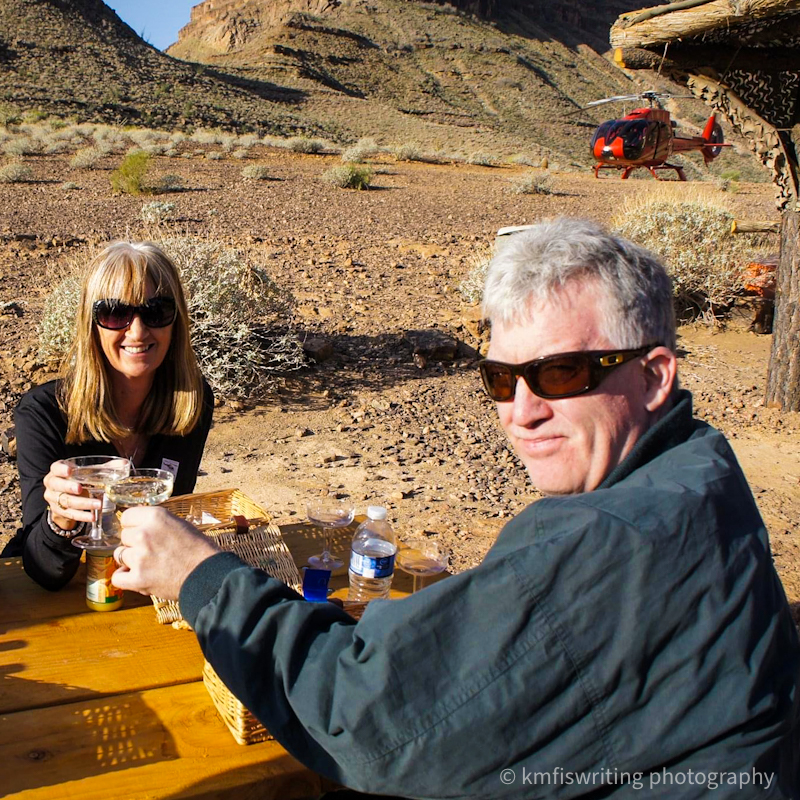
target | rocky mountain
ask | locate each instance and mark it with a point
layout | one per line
(501, 79)
(481, 78)
(77, 58)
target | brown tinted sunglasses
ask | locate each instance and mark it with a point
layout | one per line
(552, 377)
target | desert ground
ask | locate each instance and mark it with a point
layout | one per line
(369, 271)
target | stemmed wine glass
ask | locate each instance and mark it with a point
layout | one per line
(95, 473)
(421, 557)
(142, 487)
(329, 513)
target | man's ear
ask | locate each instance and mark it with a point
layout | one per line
(660, 370)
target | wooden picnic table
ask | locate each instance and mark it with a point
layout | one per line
(112, 705)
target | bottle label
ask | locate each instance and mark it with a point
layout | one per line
(370, 567)
(99, 588)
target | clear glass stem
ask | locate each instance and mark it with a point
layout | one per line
(416, 584)
(96, 531)
(326, 547)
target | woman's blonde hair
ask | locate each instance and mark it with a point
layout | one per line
(174, 404)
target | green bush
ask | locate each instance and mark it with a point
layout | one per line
(731, 175)
(692, 235)
(242, 328)
(130, 176)
(15, 172)
(348, 176)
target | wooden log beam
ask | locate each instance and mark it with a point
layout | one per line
(715, 57)
(670, 23)
(754, 226)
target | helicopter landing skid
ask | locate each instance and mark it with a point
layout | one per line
(628, 168)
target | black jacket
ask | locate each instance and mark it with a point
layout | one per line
(41, 428)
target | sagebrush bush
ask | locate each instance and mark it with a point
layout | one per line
(15, 172)
(255, 172)
(360, 151)
(692, 235)
(408, 152)
(471, 287)
(156, 212)
(215, 155)
(534, 183)
(242, 328)
(481, 160)
(68, 186)
(348, 176)
(167, 183)
(23, 146)
(130, 177)
(87, 158)
(302, 144)
(524, 160)
(239, 154)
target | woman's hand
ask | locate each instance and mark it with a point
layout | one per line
(158, 552)
(69, 502)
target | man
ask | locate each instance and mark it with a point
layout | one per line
(626, 636)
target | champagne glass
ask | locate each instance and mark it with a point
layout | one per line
(421, 557)
(95, 473)
(328, 513)
(142, 487)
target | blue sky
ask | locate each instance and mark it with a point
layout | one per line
(156, 21)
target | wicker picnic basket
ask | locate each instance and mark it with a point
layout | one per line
(244, 528)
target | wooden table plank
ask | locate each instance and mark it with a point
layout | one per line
(161, 743)
(24, 601)
(70, 658)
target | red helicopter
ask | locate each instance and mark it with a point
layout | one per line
(646, 138)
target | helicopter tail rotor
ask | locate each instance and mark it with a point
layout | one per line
(712, 133)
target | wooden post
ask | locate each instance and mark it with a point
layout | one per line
(783, 379)
(754, 226)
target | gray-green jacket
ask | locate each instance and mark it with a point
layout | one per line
(631, 642)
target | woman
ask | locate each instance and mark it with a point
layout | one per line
(131, 387)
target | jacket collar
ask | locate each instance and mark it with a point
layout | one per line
(673, 429)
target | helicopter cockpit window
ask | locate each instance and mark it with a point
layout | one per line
(633, 134)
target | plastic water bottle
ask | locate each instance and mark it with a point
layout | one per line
(372, 558)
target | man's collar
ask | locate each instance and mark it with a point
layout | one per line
(670, 431)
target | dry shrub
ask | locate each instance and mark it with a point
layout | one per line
(302, 144)
(534, 183)
(362, 150)
(87, 158)
(481, 160)
(408, 152)
(691, 234)
(255, 172)
(15, 172)
(348, 176)
(156, 212)
(242, 329)
(471, 288)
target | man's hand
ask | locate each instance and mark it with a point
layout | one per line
(158, 552)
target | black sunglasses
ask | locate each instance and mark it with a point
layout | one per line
(552, 377)
(115, 315)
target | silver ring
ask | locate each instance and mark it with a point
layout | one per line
(59, 503)
(119, 553)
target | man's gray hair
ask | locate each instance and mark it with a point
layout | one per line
(536, 263)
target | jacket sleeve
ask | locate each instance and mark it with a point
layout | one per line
(49, 559)
(404, 701)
